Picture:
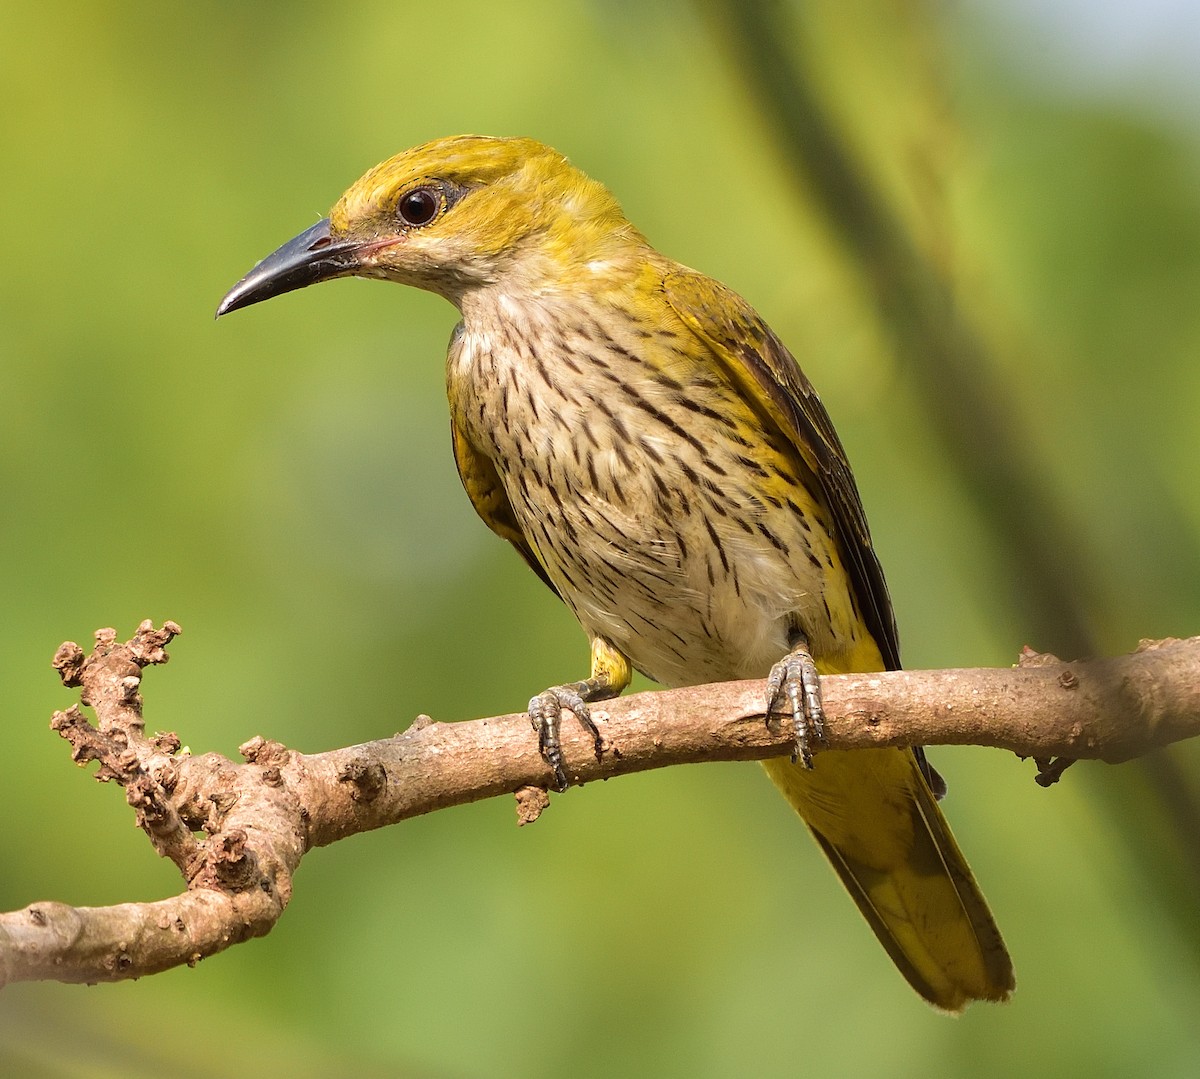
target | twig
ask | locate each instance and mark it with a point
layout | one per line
(237, 832)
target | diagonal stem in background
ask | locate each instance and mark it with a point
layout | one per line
(967, 405)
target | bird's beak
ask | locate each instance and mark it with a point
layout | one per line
(311, 257)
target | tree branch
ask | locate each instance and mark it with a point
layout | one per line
(237, 832)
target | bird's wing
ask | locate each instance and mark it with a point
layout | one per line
(482, 483)
(760, 363)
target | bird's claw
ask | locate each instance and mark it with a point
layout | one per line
(545, 714)
(794, 684)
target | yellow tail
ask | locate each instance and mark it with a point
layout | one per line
(875, 817)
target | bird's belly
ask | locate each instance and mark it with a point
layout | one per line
(697, 549)
(692, 583)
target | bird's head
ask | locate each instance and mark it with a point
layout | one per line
(452, 216)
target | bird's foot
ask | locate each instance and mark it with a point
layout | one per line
(794, 685)
(545, 713)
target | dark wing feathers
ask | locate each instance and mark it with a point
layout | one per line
(747, 347)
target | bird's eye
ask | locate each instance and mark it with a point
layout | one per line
(420, 206)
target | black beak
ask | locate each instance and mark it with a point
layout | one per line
(311, 257)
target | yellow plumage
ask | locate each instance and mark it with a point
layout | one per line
(654, 453)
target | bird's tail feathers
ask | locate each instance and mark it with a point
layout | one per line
(873, 814)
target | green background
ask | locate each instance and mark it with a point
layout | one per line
(281, 484)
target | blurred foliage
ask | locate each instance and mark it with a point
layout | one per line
(281, 484)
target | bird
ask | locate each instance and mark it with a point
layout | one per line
(658, 458)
